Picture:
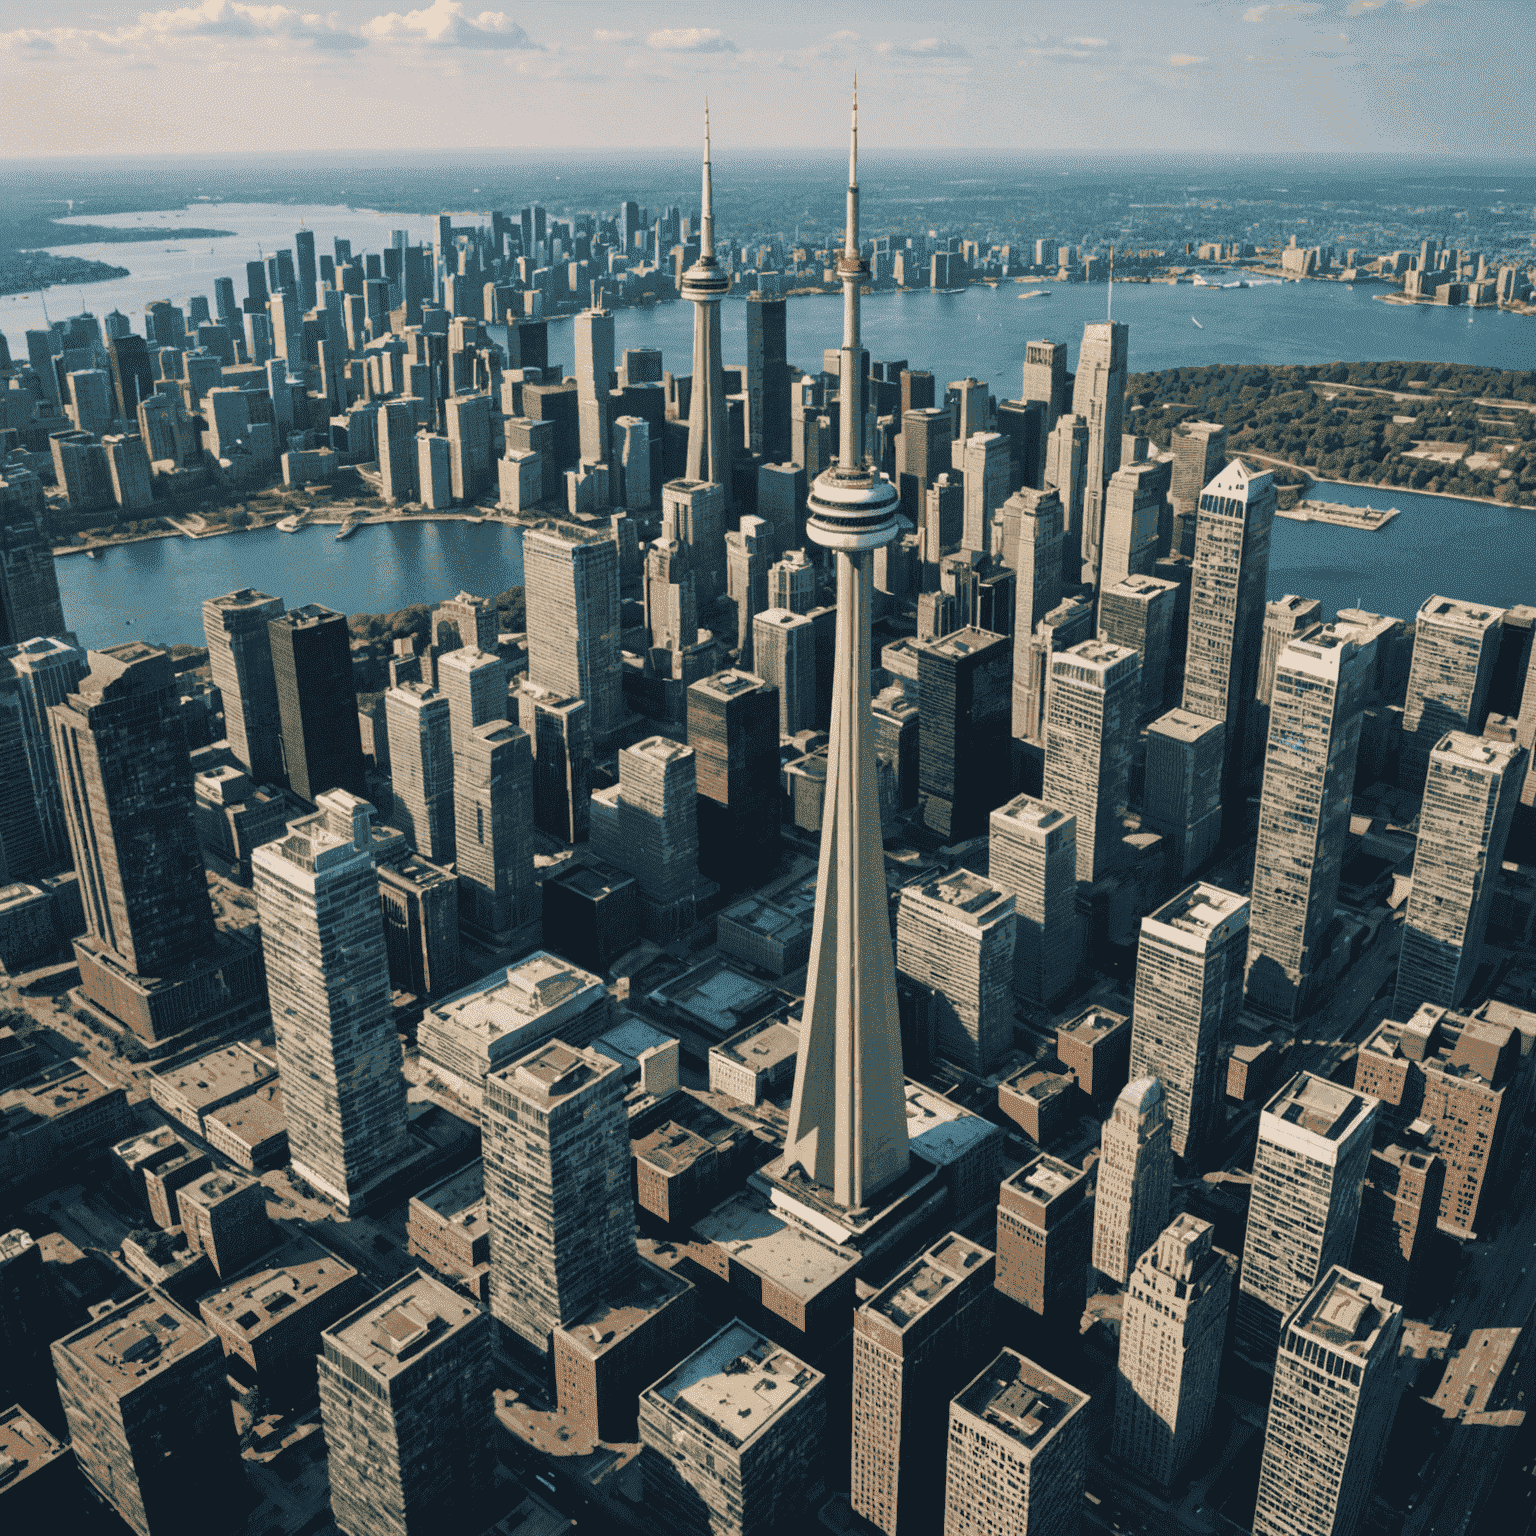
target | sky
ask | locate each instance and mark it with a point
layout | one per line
(1424, 77)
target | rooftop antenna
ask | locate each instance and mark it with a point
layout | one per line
(1110, 315)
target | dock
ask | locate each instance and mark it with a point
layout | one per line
(1367, 518)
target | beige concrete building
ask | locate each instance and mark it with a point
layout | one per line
(1171, 1336)
(1135, 1178)
(1032, 857)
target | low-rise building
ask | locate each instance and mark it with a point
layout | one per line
(36, 1473)
(72, 1113)
(764, 934)
(604, 1359)
(270, 1320)
(448, 1228)
(757, 1062)
(690, 1160)
(251, 1131)
(225, 1215)
(1095, 1048)
(1045, 1238)
(189, 1092)
(965, 1150)
(1042, 1104)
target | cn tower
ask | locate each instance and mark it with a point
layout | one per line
(848, 1121)
(704, 285)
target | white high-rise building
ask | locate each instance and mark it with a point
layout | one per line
(421, 768)
(1331, 1408)
(475, 684)
(1091, 711)
(1189, 992)
(784, 656)
(1135, 1178)
(1033, 858)
(987, 461)
(1314, 1146)
(322, 937)
(1455, 647)
(1098, 396)
(1470, 793)
(571, 583)
(1309, 779)
(240, 658)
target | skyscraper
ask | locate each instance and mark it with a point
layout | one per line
(150, 955)
(1199, 452)
(914, 1342)
(1181, 789)
(1470, 793)
(1455, 650)
(406, 1403)
(572, 587)
(1314, 1146)
(784, 654)
(557, 1184)
(143, 1391)
(1286, 619)
(1032, 534)
(962, 687)
(1045, 1238)
(1018, 1452)
(312, 667)
(1171, 1335)
(1095, 694)
(1133, 501)
(1226, 607)
(767, 379)
(1045, 380)
(1135, 1178)
(695, 512)
(848, 1124)
(474, 682)
(43, 670)
(733, 727)
(1331, 1408)
(1189, 992)
(29, 587)
(237, 628)
(954, 936)
(1138, 612)
(1309, 777)
(493, 813)
(421, 768)
(594, 367)
(1033, 858)
(1066, 469)
(704, 285)
(1098, 396)
(322, 934)
(987, 464)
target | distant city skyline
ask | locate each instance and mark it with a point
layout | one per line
(1218, 76)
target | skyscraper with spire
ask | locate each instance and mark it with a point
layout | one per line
(848, 1127)
(704, 285)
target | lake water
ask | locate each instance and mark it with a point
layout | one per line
(154, 590)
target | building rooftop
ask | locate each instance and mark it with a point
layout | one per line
(254, 1119)
(415, 871)
(729, 684)
(1450, 610)
(736, 1385)
(940, 1131)
(458, 1199)
(25, 1447)
(1345, 1311)
(385, 1335)
(554, 1072)
(1203, 912)
(749, 1228)
(962, 642)
(660, 750)
(1181, 725)
(925, 1280)
(508, 1001)
(1318, 1106)
(128, 1346)
(1026, 811)
(1093, 1025)
(1045, 1178)
(973, 900)
(715, 996)
(295, 1277)
(217, 1076)
(607, 1323)
(212, 1188)
(592, 880)
(1141, 1095)
(1479, 1378)
(764, 917)
(1026, 1403)
(307, 617)
(762, 1048)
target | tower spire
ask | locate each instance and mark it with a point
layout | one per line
(707, 221)
(851, 269)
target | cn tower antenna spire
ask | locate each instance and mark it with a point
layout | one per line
(707, 222)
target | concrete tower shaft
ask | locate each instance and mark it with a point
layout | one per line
(704, 285)
(848, 1128)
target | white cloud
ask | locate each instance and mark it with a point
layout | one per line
(925, 48)
(690, 40)
(1288, 8)
(1089, 42)
(444, 24)
(215, 21)
(1183, 60)
(1359, 7)
(602, 36)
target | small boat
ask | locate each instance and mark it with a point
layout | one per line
(1038, 293)
(1196, 323)
(348, 528)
